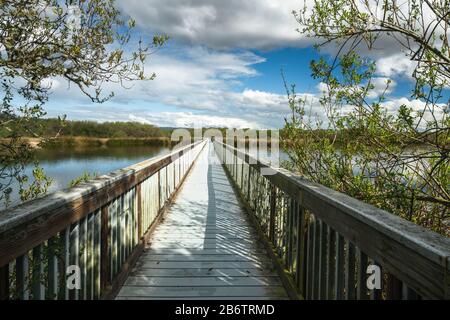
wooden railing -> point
(100, 226)
(325, 240)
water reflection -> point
(65, 164)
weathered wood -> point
(349, 271)
(204, 298)
(394, 288)
(310, 259)
(203, 258)
(4, 282)
(204, 272)
(124, 269)
(323, 266)
(362, 275)
(22, 278)
(196, 248)
(273, 208)
(52, 276)
(65, 262)
(415, 256)
(139, 211)
(233, 291)
(32, 223)
(38, 289)
(105, 262)
(301, 251)
(217, 281)
(331, 264)
(339, 270)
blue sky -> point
(221, 67)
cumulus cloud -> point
(381, 85)
(395, 65)
(204, 81)
(189, 120)
(220, 24)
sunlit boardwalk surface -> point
(205, 248)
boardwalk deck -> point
(205, 248)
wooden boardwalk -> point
(205, 248)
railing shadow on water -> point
(80, 243)
(332, 246)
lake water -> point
(66, 164)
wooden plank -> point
(339, 270)
(204, 298)
(134, 291)
(202, 264)
(203, 272)
(362, 275)
(4, 282)
(65, 262)
(83, 257)
(310, 259)
(74, 256)
(323, 266)
(90, 278)
(52, 276)
(203, 237)
(331, 264)
(408, 293)
(316, 259)
(97, 254)
(394, 288)
(105, 262)
(273, 206)
(204, 257)
(196, 242)
(38, 289)
(139, 211)
(250, 252)
(207, 244)
(244, 281)
(22, 277)
(349, 271)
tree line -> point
(71, 128)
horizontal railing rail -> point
(325, 240)
(81, 242)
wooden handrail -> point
(128, 200)
(413, 258)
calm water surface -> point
(66, 164)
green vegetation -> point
(85, 177)
(91, 129)
(86, 43)
(398, 160)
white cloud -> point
(395, 65)
(203, 81)
(218, 23)
(188, 119)
(381, 85)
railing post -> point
(273, 204)
(139, 211)
(249, 182)
(301, 250)
(105, 261)
(4, 282)
(159, 191)
(394, 288)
